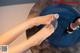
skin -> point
(36, 39)
(77, 23)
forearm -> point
(12, 34)
(20, 48)
(9, 36)
(33, 41)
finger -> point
(47, 19)
(45, 32)
(78, 21)
(42, 34)
(49, 27)
(51, 17)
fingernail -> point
(56, 16)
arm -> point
(33, 41)
(12, 34)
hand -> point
(77, 22)
(41, 35)
(34, 40)
(43, 19)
